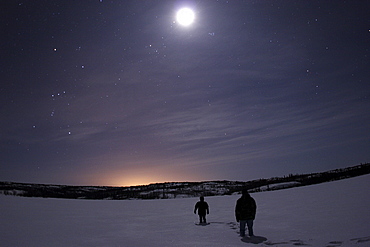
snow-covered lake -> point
(328, 214)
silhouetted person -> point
(245, 213)
(203, 209)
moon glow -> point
(185, 16)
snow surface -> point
(328, 214)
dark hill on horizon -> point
(178, 189)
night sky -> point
(119, 93)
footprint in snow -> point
(334, 244)
(233, 225)
(361, 240)
(296, 242)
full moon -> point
(185, 16)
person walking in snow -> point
(203, 209)
(245, 213)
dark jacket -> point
(245, 208)
(202, 207)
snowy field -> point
(328, 214)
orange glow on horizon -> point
(128, 181)
(136, 181)
(125, 173)
(136, 178)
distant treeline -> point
(179, 189)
